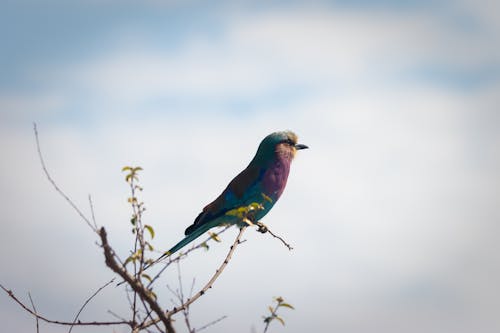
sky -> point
(392, 212)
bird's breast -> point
(275, 177)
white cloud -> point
(392, 211)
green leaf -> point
(152, 293)
(147, 277)
(136, 169)
(150, 247)
(205, 245)
(125, 168)
(286, 305)
(280, 320)
(129, 259)
(214, 236)
(151, 230)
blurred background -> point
(393, 213)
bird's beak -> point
(299, 146)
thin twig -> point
(148, 315)
(210, 324)
(34, 309)
(180, 256)
(209, 284)
(92, 212)
(263, 229)
(180, 296)
(58, 190)
(116, 315)
(87, 302)
(34, 313)
(218, 272)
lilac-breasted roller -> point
(262, 182)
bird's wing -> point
(233, 196)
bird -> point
(260, 184)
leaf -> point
(133, 220)
(286, 305)
(152, 293)
(214, 236)
(205, 245)
(280, 320)
(270, 309)
(129, 259)
(147, 277)
(279, 299)
(128, 177)
(133, 257)
(134, 170)
(125, 168)
(150, 247)
(151, 230)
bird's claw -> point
(262, 227)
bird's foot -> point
(262, 227)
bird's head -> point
(285, 142)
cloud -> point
(392, 212)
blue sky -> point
(393, 212)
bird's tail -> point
(186, 240)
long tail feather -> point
(186, 240)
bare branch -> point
(218, 272)
(116, 315)
(180, 296)
(87, 302)
(92, 212)
(210, 324)
(58, 190)
(34, 309)
(208, 285)
(134, 283)
(79, 323)
(180, 256)
(263, 229)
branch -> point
(58, 190)
(87, 302)
(218, 272)
(134, 283)
(211, 323)
(209, 284)
(79, 323)
(180, 256)
(34, 309)
(263, 229)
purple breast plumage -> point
(275, 177)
